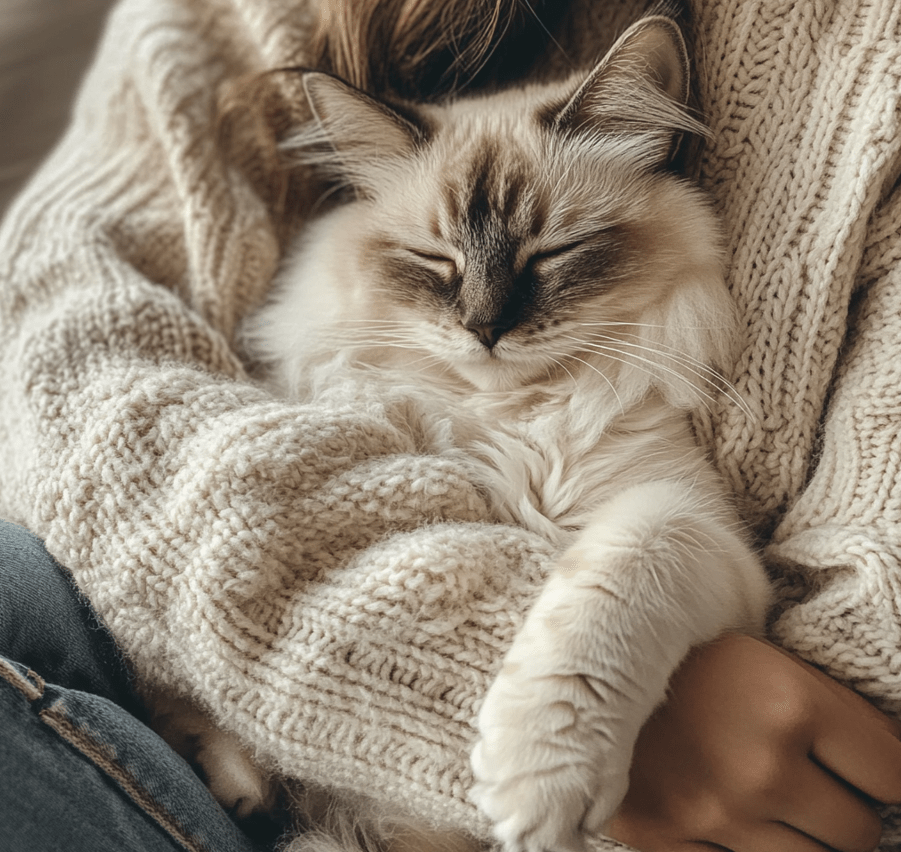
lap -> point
(47, 625)
(81, 769)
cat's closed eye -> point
(445, 266)
(553, 253)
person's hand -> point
(755, 751)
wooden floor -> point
(45, 47)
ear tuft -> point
(363, 137)
(656, 46)
(641, 86)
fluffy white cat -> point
(529, 267)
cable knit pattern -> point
(327, 580)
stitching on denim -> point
(32, 691)
(104, 757)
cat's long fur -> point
(551, 296)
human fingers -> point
(860, 751)
(817, 813)
(824, 808)
(766, 837)
(852, 738)
(718, 836)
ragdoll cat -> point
(527, 265)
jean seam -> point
(100, 754)
(31, 686)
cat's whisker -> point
(371, 334)
(703, 371)
(698, 367)
(399, 331)
(694, 366)
(429, 359)
(601, 374)
(410, 332)
(636, 324)
(377, 325)
(385, 332)
(387, 344)
(374, 340)
(376, 320)
(661, 349)
(624, 358)
(563, 367)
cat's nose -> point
(488, 333)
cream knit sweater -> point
(323, 579)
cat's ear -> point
(365, 135)
(640, 86)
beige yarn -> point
(326, 580)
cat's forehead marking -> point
(480, 184)
(501, 182)
(497, 201)
(486, 225)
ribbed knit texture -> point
(326, 580)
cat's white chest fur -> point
(550, 457)
(651, 563)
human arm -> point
(756, 750)
(311, 575)
(814, 461)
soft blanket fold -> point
(327, 580)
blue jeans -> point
(79, 769)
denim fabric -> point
(80, 770)
(47, 625)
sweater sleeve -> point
(326, 580)
(838, 550)
(123, 267)
(805, 105)
(842, 537)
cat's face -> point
(510, 243)
(524, 233)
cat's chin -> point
(497, 375)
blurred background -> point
(45, 48)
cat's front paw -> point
(549, 766)
(233, 779)
(231, 776)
